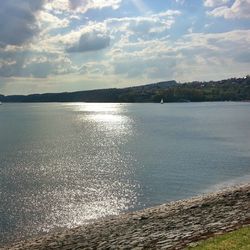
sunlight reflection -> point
(69, 212)
(96, 180)
(105, 114)
(108, 118)
(98, 107)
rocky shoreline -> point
(168, 226)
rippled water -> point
(62, 165)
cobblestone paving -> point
(169, 226)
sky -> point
(69, 45)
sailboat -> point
(161, 100)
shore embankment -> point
(168, 226)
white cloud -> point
(138, 48)
(94, 68)
(45, 56)
(91, 36)
(142, 27)
(84, 5)
(18, 21)
(90, 41)
(194, 56)
(214, 3)
(38, 65)
(81, 6)
(202, 54)
(98, 35)
(49, 21)
(240, 9)
(58, 5)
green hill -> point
(234, 89)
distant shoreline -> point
(168, 226)
(233, 89)
(65, 102)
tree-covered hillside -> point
(234, 89)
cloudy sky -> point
(67, 45)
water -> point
(63, 165)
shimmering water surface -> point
(62, 165)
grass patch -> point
(237, 240)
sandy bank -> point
(169, 226)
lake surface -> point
(62, 165)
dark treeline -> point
(234, 89)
